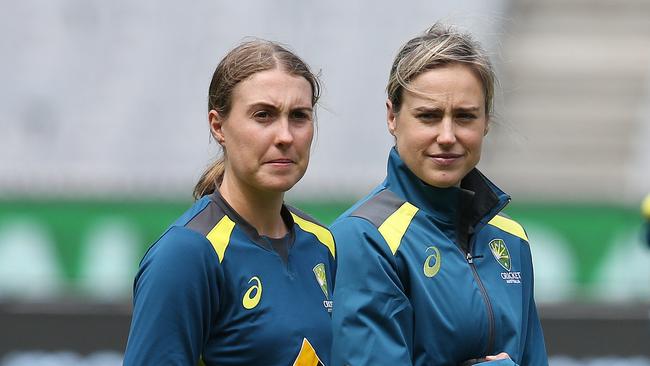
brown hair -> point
(438, 46)
(238, 65)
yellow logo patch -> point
(307, 355)
(253, 294)
(321, 278)
(429, 269)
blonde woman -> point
(430, 272)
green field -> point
(587, 231)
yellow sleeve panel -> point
(395, 226)
(219, 236)
(509, 226)
(323, 235)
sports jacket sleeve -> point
(372, 317)
(175, 297)
(534, 350)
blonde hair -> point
(239, 64)
(439, 46)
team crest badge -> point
(501, 253)
(321, 278)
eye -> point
(300, 115)
(428, 116)
(466, 116)
(262, 115)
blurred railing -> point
(571, 329)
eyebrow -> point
(436, 109)
(427, 109)
(274, 107)
(304, 109)
(468, 109)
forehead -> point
(455, 82)
(273, 86)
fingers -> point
(500, 356)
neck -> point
(261, 209)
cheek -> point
(477, 142)
(305, 137)
(238, 145)
(474, 147)
(414, 138)
(472, 137)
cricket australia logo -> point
(321, 278)
(502, 255)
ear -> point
(216, 126)
(391, 117)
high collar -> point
(476, 201)
(245, 226)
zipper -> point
(470, 261)
(469, 258)
(488, 304)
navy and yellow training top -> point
(212, 290)
(433, 276)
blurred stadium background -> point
(104, 133)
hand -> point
(500, 356)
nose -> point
(446, 133)
(283, 133)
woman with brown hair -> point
(241, 278)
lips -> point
(446, 159)
(446, 156)
(281, 161)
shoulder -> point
(381, 215)
(310, 225)
(178, 249)
(201, 233)
(178, 263)
(212, 223)
(506, 224)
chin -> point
(279, 186)
(442, 182)
(278, 182)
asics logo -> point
(253, 294)
(429, 269)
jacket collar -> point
(247, 228)
(476, 201)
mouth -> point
(445, 159)
(280, 162)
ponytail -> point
(210, 180)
